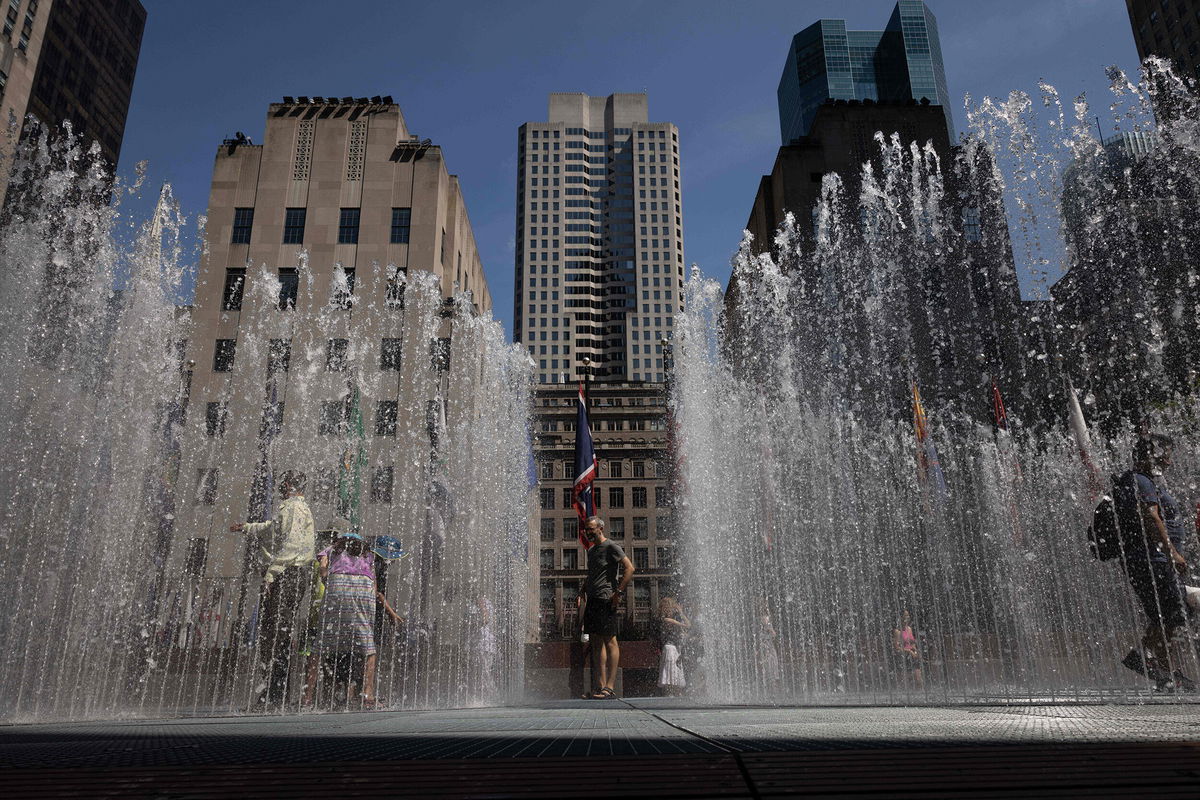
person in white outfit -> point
(670, 630)
(289, 543)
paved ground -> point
(637, 747)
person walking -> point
(671, 628)
(904, 648)
(603, 597)
(289, 545)
(347, 626)
(1152, 534)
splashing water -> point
(108, 613)
(817, 517)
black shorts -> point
(599, 618)
(1158, 590)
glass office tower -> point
(826, 61)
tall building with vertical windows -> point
(599, 239)
(826, 61)
(1169, 29)
(300, 308)
(71, 60)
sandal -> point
(605, 694)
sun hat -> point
(388, 547)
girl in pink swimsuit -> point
(904, 643)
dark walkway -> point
(639, 748)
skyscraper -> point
(1170, 30)
(828, 62)
(71, 61)
(599, 239)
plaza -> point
(631, 748)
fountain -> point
(123, 601)
(818, 514)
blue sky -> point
(467, 74)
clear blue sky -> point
(467, 74)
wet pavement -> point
(622, 748)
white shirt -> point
(292, 532)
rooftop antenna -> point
(1099, 130)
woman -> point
(348, 610)
(670, 630)
(904, 646)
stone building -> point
(335, 249)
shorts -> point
(1158, 590)
(599, 617)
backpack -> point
(1104, 534)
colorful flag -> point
(583, 499)
(998, 410)
(929, 468)
(354, 463)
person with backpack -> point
(1151, 530)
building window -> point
(439, 355)
(235, 285)
(335, 415)
(390, 354)
(570, 529)
(567, 499)
(243, 221)
(215, 417)
(547, 533)
(616, 528)
(223, 355)
(546, 561)
(342, 295)
(614, 469)
(641, 558)
(206, 486)
(641, 596)
(324, 485)
(401, 223)
(547, 470)
(382, 481)
(660, 496)
(972, 229)
(547, 498)
(616, 497)
(289, 286)
(639, 469)
(442, 259)
(663, 556)
(336, 355)
(639, 497)
(570, 559)
(641, 527)
(293, 225)
(395, 289)
(272, 421)
(279, 356)
(348, 226)
(385, 418)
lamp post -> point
(587, 375)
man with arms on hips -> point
(603, 595)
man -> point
(603, 596)
(289, 543)
(1152, 534)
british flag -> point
(583, 499)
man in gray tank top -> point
(603, 595)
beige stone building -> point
(318, 282)
(599, 239)
(64, 60)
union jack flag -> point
(583, 499)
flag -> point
(262, 500)
(354, 463)
(582, 498)
(929, 468)
(1082, 440)
(998, 410)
